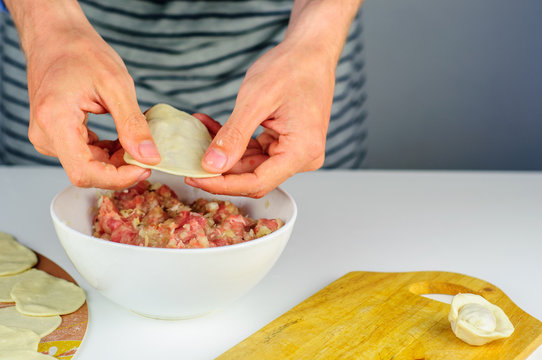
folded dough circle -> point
(476, 321)
(18, 339)
(14, 257)
(181, 139)
(41, 325)
(41, 294)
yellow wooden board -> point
(370, 315)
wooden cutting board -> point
(370, 315)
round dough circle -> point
(24, 355)
(14, 257)
(41, 325)
(18, 339)
(41, 294)
(7, 283)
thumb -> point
(136, 139)
(229, 145)
(133, 130)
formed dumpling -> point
(14, 257)
(476, 321)
(181, 139)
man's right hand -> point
(72, 71)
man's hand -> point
(292, 103)
(71, 72)
(288, 91)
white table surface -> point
(484, 224)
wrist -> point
(321, 26)
(40, 22)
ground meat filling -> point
(152, 215)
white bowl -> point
(171, 283)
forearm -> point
(38, 21)
(322, 25)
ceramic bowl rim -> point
(270, 237)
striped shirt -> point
(192, 55)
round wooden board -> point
(64, 342)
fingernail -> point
(215, 159)
(148, 150)
(190, 181)
(144, 175)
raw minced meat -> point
(152, 215)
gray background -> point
(454, 84)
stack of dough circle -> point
(39, 298)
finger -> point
(117, 159)
(251, 151)
(85, 171)
(132, 127)
(110, 145)
(40, 140)
(266, 138)
(265, 178)
(232, 139)
(99, 154)
(212, 125)
(248, 163)
(92, 137)
(253, 144)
